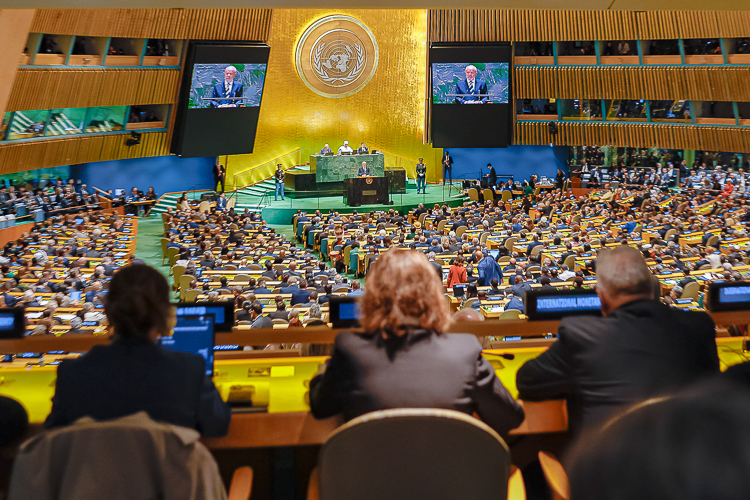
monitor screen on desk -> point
(556, 304)
(193, 334)
(728, 296)
(12, 323)
(223, 312)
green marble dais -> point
(338, 168)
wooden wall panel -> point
(202, 24)
(481, 25)
(50, 88)
(30, 155)
(734, 139)
(704, 83)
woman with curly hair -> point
(403, 359)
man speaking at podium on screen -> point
(364, 170)
(472, 90)
(228, 88)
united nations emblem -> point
(368, 180)
(336, 56)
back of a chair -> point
(488, 195)
(414, 453)
(691, 291)
(473, 194)
(121, 459)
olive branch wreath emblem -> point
(344, 79)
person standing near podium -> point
(364, 170)
(421, 175)
(279, 176)
(492, 176)
(447, 167)
(345, 149)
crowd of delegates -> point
(61, 263)
(56, 197)
(641, 352)
(240, 242)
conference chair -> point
(712, 240)
(469, 302)
(504, 261)
(555, 475)
(279, 321)
(510, 242)
(691, 291)
(255, 267)
(483, 238)
(421, 453)
(510, 314)
(126, 456)
(460, 230)
(231, 204)
(506, 196)
(535, 268)
(241, 278)
(537, 191)
(172, 255)
(441, 226)
(184, 281)
(473, 194)
(570, 261)
(164, 243)
(488, 195)
(536, 250)
(670, 233)
(204, 207)
(192, 295)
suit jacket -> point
(601, 365)
(219, 91)
(478, 94)
(363, 171)
(489, 269)
(417, 370)
(300, 296)
(221, 204)
(132, 375)
(262, 322)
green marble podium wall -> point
(337, 168)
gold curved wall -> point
(51, 88)
(387, 114)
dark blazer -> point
(300, 297)
(219, 91)
(478, 94)
(600, 365)
(363, 171)
(262, 322)
(132, 375)
(418, 370)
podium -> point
(365, 191)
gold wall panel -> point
(203, 24)
(387, 114)
(50, 88)
(646, 135)
(484, 25)
(16, 157)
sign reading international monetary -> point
(336, 56)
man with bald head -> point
(639, 348)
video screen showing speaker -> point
(220, 98)
(471, 88)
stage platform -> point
(281, 212)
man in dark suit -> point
(364, 170)
(640, 349)
(302, 294)
(447, 167)
(471, 90)
(259, 321)
(520, 287)
(229, 89)
(492, 176)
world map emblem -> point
(336, 56)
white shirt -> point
(228, 85)
(566, 275)
(345, 149)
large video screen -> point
(226, 85)
(220, 98)
(471, 95)
(470, 83)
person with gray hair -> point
(638, 350)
